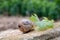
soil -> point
(10, 25)
(9, 22)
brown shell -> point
(25, 26)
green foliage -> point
(42, 25)
(36, 6)
(43, 8)
(9, 6)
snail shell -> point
(25, 25)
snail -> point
(25, 25)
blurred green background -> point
(43, 8)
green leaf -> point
(44, 24)
(34, 18)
